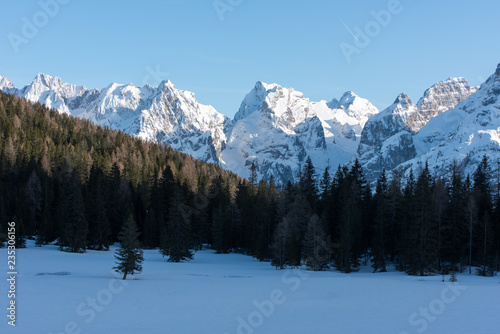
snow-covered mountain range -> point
(277, 128)
(387, 140)
(463, 134)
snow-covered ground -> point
(78, 293)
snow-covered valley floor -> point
(59, 292)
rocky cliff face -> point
(277, 128)
(387, 140)
(164, 113)
(463, 134)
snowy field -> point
(78, 293)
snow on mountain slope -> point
(6, 85)
(164, 114)
(277, 128)
(463, 134)
(357, 109)
(387, 140)
(439, 98)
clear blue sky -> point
(293, 43)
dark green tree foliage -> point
(454, 231)
(33, 203)
(175, 241)
(441, 201)
(222, 217)
(316, 250)
(351, 190)
(380, 233)
(422, 228)
(119, 199)
(307, 183)
(129, 256)
(67, 180)
(324, 192)
(266, 209)
(97, 218)
(72, 215)
(484, 241)
(281, 245)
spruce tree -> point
(422, 242)
(316, 250)
(307, 183)
(281, 245)
(75, 227)
(379, 255)
(97, 217)
(175, 239)
(221, 217)
(129, 256)
(454, 241)
(34, 203)
(485, 233)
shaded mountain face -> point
(387, 140)
(277, 128)
(463, 134)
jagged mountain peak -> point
(53, 83)
(347, 98)
(442, 96)
(269, 98)
(167, 85)
(262, 86)
(357, 107)
(403, 99)
(463, 134)
(5, 83)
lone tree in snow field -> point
(130, 255)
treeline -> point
(68, 181)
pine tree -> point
(175, 239)
(324, 192)
(73, 217)
(97, 217)
(281, 245)
(308, 183)
(119, 201)
(34, 203)
(454, 241)
(253, 175)
(129, 256)
(422, 242)
(471, 214)
(222, 218)
(379, 257)
(407, 216)
(316, 250)
(485, 233)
